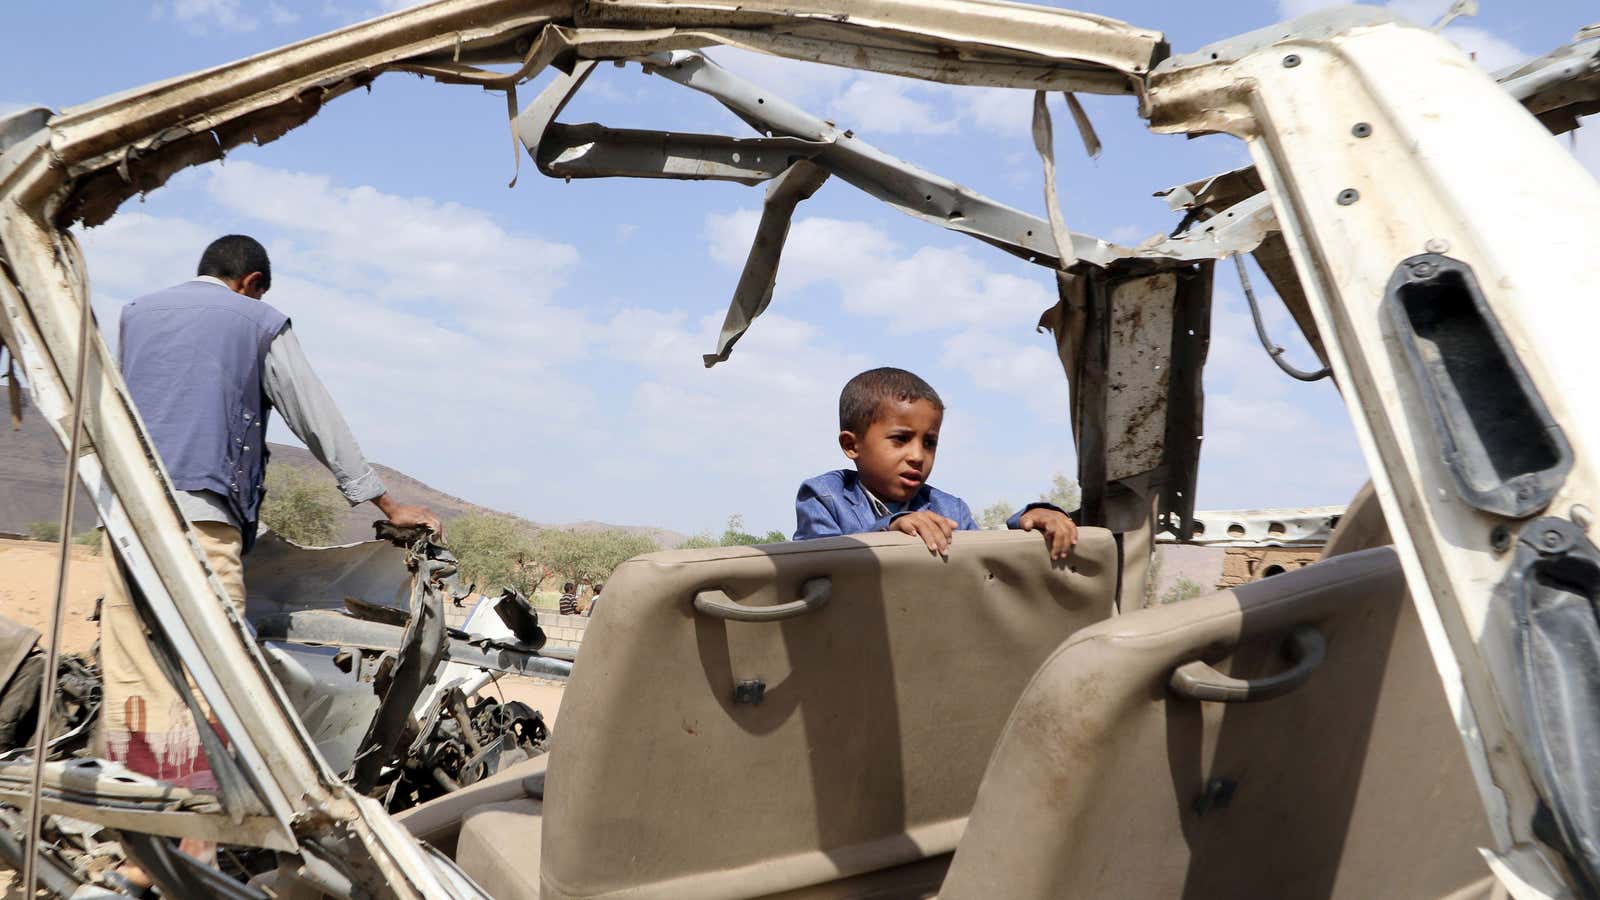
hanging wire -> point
(1273, 350)
(47, 690)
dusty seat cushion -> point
(499, 848)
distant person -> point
(594, 598)
(206, 362)
(889, 423)
(569, 599)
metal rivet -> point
(1551, 539)
(1291, 60)
(1500, 539)
(1361, 130)
(1581, 516)
(1437, 245)
(1348, 196)
(1424, 270)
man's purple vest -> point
(192, 356)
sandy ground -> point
(28, 583)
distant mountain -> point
(32, 463)
(356, 524)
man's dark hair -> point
(568, 588)
(864, 395)
(233, 256)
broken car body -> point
(1444, 304)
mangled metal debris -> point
(1366, 193)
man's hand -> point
(1059, 531)
(934, 529)
(405, 516)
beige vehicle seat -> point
(698, 756)
(1353, 784)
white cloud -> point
(1031, 370)
(404, 250)
(435, 326)
(876, 104)
(201, 16)
(1128, 235)
(883, 104)
(913, 289)
(280, 15)
(1003, 111)
(1491, 51)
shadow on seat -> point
(1354, 784)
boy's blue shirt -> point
(835, 503)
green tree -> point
(1064, 492)
(44, 531)
(300, 508)
(588, 556)
(733, 535)
(1152, 575)
(90, 539)
(495, 552)
(995, 515)
(1182, 589)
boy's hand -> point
(1059, 531)
(934, 529)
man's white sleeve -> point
(309, 411)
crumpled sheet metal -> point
(132, 142)
(793, 136)
(285, 577)
(1029, 44)
(16, 642)
(1561, 85)
(754, 293)
(1302, 526)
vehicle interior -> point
(986, 723)
(854, 717)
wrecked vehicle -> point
(1414, 715)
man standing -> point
(206, 362)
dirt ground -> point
(28, 583)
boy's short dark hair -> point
(568, 588)
(864, 395)
(233, 256)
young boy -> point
(889, 426)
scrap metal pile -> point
(395, 699)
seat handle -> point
(1305, 649)
(813, 594)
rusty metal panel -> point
(1139, 350)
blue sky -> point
(537, 349)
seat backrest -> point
(876, 715)
(1353, 785)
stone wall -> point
(1242, 565)
(563, 631)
